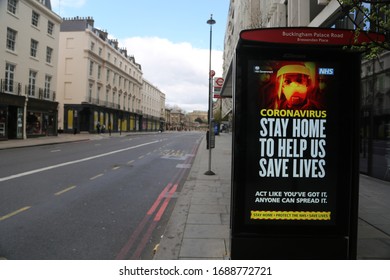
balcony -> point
(10, 87)
(103, 103)
(44, 94)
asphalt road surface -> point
(96, 200)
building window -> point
(12, 5)
(91, 68)
(35, 18)
(381, 78)
(100, 51)
(90, 93)
(49, 54)
(50, 28)
(11, 39)
(92, 46)
(46, 94)
(31, 83)
(108, 75)
(33, 48)
(98, 95)
(99, 72)
(9, 77)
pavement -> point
(61, 138)
(199, 225)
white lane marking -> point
(72, 162)
(183, 165)
(95, 177)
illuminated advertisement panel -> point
(295, 146)
(296, 165)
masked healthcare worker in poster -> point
(294, 87)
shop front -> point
(11, 116)
(86, 117)
(41, 118)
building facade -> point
(153, 107)
(375, 117)
(178, 119)
(197, 120)
(99, 84)
(250, 14)
(28, 69)
(375, 83)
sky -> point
(170, 39)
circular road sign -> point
(219, 82)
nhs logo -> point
(326, 71)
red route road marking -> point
(132, 239)
(152, 226)
(165, 204)
(127, 247)
(144, 240)
(158, 200)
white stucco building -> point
(29, 40)
(98, 82)
(153, 106)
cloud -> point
(177, 69)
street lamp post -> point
(211, 21)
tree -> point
(369, 16)
(199, 120)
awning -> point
(227, 88)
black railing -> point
(45, 94)
(10, 86)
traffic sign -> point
(219, 82)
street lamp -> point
(211, 21)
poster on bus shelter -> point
(293, 132)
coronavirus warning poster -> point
(296, 164)
(295, 144)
